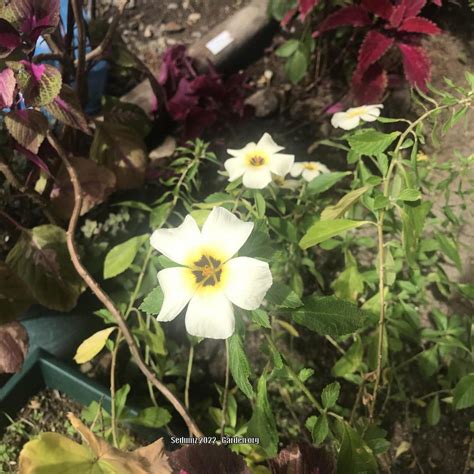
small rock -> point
(194, 18)
(172, 6)
(196, 34)
(171, 41)
(148, 32)
(265, 102)
(165, 150)
(172, 27)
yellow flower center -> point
(310, 166)
(257, 158)
(356, 112)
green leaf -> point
(371, 142)
(89, 348)
(239, 365)
(409, 194)
(160, 214)
(28, 127)
(433, 413)
(324, 230)
(350, 283)
(153, 301)
(258, 245)
(262, 423)
(274, 354)
(320, 429)
(260, 204)
(260, 317)
(325, 181)
(153, 417)
(284, 228)
(121, 396)
(350, 361)
(339, 209)
(354, 457)
(287, 48)
(449, 248)
(463, 396)
(42, 259)
(15, 297)
(330, 394)
(305, 374)
(120, 257)
(283, 296)
(413, 221)
(330, 316)
(296, 66)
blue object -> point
(97, 77)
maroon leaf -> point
(305, 7)
(369, 87)
(397, 16)
(207, 458)
(28, 127)
(375, 45)
(34, 158)
(13, 347)
(437, 2)
(381, 8)
(413, 7)
(302, 458)
(417, 65)
(97, 183)
(288, 17)
(9, 38)
(419, 25)
(352, 15)
(14, 295)
(7, 88)
(67, 109)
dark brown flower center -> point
(207, 271)
(257, 161)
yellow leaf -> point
(92, 345)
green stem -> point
(188, 376)
(305, 391)
(226, 389)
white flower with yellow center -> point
(209, 278)
(309, 169)
(257, 161)
(351, 117)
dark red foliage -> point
(305, 7)
(391, 23)
(198, 101)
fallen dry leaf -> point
(13, 347)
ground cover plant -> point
(310, 289)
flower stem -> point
(226, 389)
(188, 376)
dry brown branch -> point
(104, 298)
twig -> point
(99, 51)
(13, 180)
(226, 389)
(113, 364)
(81, 49)
(105, 299)
(13, 221)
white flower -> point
(209, 279)
(257, 161)
(309, 169)
(351, 117)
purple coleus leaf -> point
(417, 65)
(375, 45)
(353, 15)
(34, 158)
(305, 7)
(381, 8)
(9, 38)
(413, 7)
(369, 87)
(419, 25)
(7, 88)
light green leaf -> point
(239, 365)
(371, 142)
(121, 399)
(409, 194)
(284, 228)
(330, 394)
(42, 259)
(120, 257)
(320, 430)
(283, 296)
(153, 301)
(296, 66)
(89, 348)
(350, 361)
(325, 181)
(330, 316)
(287, 48)
(433, 413)
(160, 214)
(260, 317)
(260, 204)
(449, 248)
(324, 230)
(262, 423)
(339, 209)
(464, 393)
(153, 417)
(305, 374)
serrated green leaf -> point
(160, 214)
(260, 317)
(320, 429)
(350, 361)
(463, 396)
(371, 142)
(339, 209)
(330, 394)
(330, 316)
(283, 296)
(239, 365)
(152, 417)
(325, 181)
(153, 301)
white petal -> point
(344, 121)
(242, 151)
(177, 243)
(257, 178)
(309, 175)
(225, 232)
(210, 315)
(296, 169)
(175, 285)
(235, 167)
(248, 280)
(267, 144)
(281, 163)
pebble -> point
(194, 18)
(265, 102)
(172, 6)
(148, 32)
(172, 27)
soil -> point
(46, 411)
